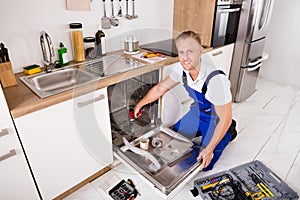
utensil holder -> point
(7, 76)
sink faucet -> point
(48, 62)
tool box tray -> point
(251, 181)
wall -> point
(283, 44)
(22, 22)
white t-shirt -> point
(218, 88)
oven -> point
(226, 21)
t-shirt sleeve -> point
(218, 90)
(175, 72)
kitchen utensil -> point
(113, 20)
(1, 57)
(105, 22)
(4, 53)
(120, 9)
(134, 16)
(127, 15)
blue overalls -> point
(201, 119)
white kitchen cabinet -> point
(16, 181)
(67, 142)
(176, 102)
(222, 57)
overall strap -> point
(184, 79)
(212, 74)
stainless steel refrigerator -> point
(248, 55)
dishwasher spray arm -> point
(155, 166)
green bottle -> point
(62, 55)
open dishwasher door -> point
(170, 160)
(176, 157)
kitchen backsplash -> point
(24, 20)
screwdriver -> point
(261, 186)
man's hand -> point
(206, 156)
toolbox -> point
(251, 181)
(124, 190)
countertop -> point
(21, 100)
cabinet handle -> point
(4, 132)
(85, 103)
(217, 53)
(8, 155)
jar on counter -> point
(77, 41)
(89, 47)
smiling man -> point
(210, 115)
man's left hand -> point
(206, 156)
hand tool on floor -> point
(264, 189)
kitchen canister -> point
(89, 47)
(77, 42)
(131, 45)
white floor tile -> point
(294, 174)
(87, 192)
(108, 180)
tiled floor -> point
(269, 131)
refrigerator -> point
(249, 55)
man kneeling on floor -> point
(210, 116)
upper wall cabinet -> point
(195, 15)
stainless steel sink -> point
(60, 80)
(47, 84)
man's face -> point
(189, 52)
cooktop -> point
(166, 47)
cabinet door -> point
(222, 57)
(16, 181)
(68, 142)
(195, 15)
(176, 102)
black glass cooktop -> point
(166, 47)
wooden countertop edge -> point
(22, 101)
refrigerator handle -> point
(264, 57)
(230, 10)
(249, 69)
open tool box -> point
(251, 181)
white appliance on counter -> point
(248, 55)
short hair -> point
(189, 34)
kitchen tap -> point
(48, 62)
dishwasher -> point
(169, 162)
